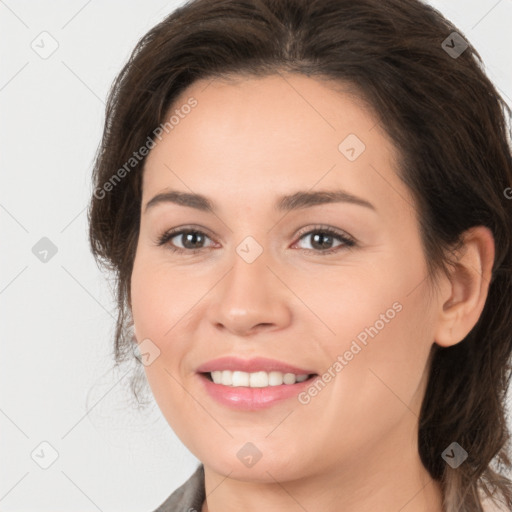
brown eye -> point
(191, 240)
(323, 238)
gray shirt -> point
(187, 498)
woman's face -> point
(266, 281)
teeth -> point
(256, 379)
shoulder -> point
(189, 496)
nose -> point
(250, 298)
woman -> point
(307, 208)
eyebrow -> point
(298, 200)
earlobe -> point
(466, 293)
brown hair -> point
(449, 125)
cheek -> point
(161, 304)
(153, 318)
(158, 309)
(155, 299)
(381, 325)
(382, 347)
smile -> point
(248, 398)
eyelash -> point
(347, 241)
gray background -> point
(58, 316)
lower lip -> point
(250, 399)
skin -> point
(353, 447)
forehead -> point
(252, 136)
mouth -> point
(254, 391)
(252, 384)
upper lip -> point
(256, 364)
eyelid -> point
(322, 227)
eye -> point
(323, 237)
(192, 240)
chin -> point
(265, 470)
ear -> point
(463, 299)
